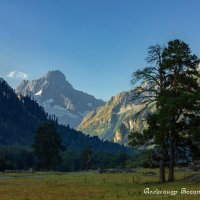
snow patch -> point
(39, 93)
(60, 112)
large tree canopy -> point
(176, 91)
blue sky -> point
(97, 44)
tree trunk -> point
(162, 166)
(171, 161)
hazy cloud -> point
(17, 75)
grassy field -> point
(89, 185)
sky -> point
(97, 44)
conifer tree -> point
(177, 94)
(154, 76)
(181, 97)
(47, 146)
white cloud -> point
(18, 75)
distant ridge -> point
(117, 118)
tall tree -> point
(47, 146)
(154, 76)
(183, 95)
(177, 95)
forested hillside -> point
(20, 117)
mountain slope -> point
(58, 97)
(116, 118)
(20, 116)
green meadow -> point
(90, 185)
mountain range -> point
(110, 121)
(58, 97)
(20, 116)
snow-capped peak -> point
(58, 97)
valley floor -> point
(92, 186)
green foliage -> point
(175, 89)
(3, 164)
(16, 157)
(19, 117)
(24, 158)
(47, 147)
(103, 160)
(121, 160)
(71, 161)
(86, 157)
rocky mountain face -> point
(117, 118)
(59, 98)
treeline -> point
(76, 140)
(24, 158)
